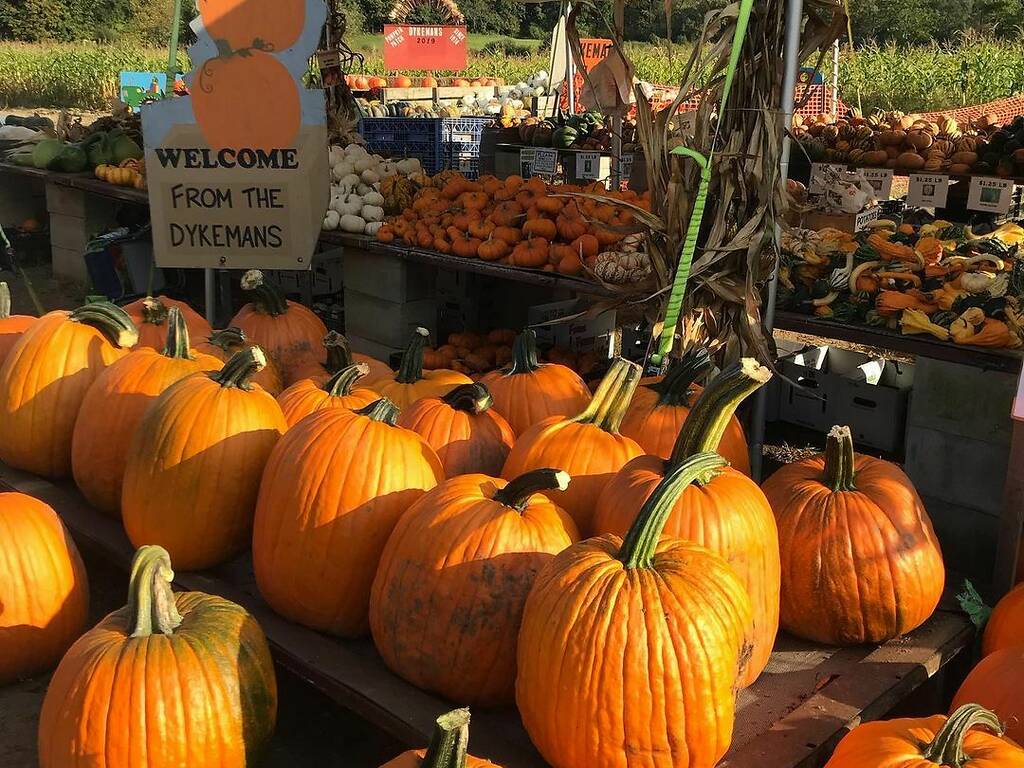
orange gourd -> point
(587, 246)
(493, 249)
(225, 344)
(11, 326)
(447, 747)
(533, 252)
(1005, 627)
(411, 382)
(510, 235)
(150, 317)
(307, 396)
(274, 24)
(996, 684)
(507, 214)
(570, 227)
(541, 228)
(466, 247)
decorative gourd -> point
(44, 380)
(150, 317)
(169, 680)
(306, 396)
(930, 742)
(447, 749)
(44, 593)
(587, 446)
(115, 404)
(194, 466)
(668, 621)
(1005, 627)
(339, 356)
(455, 575)
(996, 684)
(860, 561)
(332, 492)
(462, 428)
(227, 343)
(11, 326)
(289, 333)
(528, 392)
(411, 382)
(727, 512)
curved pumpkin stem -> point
(268, 298)
(382, 410)
(339, 354)
(707, 421)
(642, 538)
(341, 383)
(524, 353)
(411, 369)
(178, 342)
(229, 339)
(518, 492)
(110, 320)
(154, 311)
(450, 742)
(674, 389)
(5, 301)
(239, 370)
(613, 396)
(151, 605)
(839, 460)
(947, 748)
(471, 398)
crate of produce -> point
(401, 137)
(461, 138)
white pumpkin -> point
(352, 223)
(373, 198)
(349, 182)
(349, 204)
(409, 165)
(372, 213)
(365, 163)
(373, 226)
(331, 220)
(369, 176)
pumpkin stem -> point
(450, 742)
(110, 320)
(177, 336)
(613, 395)
(524, 353)
(268, 298)
(5, 301)
(642, 538)
(341, 383)
(471, 398)
(948, 746)
(706, 423)
(339, 355)
(674, 388)
(230, 339)
(154, 311)
(839, 460)
(239, 370)
(151, 605)
(518, 492)
(382, 410)
(411, 369)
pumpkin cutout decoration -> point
(528, 392)
(1005, 626)
(411, 382)
(272, 25)
(626, 597)
(151, 315)
(45, 378)
(11, 326)
(996, 684)
(455, 575)
(727, 513)
(44, 593)
(860, 561)
(339, 356)
(227, 343)
(185, 679)
(305, 396)
(115, 404)
(331, 494)
(448, 747)
(194, 466)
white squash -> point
(365, 163)
(369, 176)
(373, 198)
(350, 182)
(331, 221)
(364, 189)
(409, 165)
(372, 213)
(352, 223)
(373, 226)
(349, 204)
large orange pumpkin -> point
(588, 446)
(11, 326)
(306, 396)
(291, 334)
(272, 25)
(150, 317)
(860, 561)
(45, 378)
(528, 392)
(455, 575)
(996, 684)
(728, 513)
(1005, 627)
(169, 680)
(115, 404)
(448, 747)
(930, 742)
(194, 466)
(44, 593)
(331, 495)
(227, 343)
(411, 382)
(642, 638)
(339, 356)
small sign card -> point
(928, 190)
(864, 218)
(527, 157)
(880, 180)
(817, 185)
(625, 167)
(588, 165)
(990, 194)
(545, 161)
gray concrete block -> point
(386, 322)
(388, 277)
(373, 349)
(967, 536)
(69, 264)
(69, 232)
(962, 400)
(957, 470)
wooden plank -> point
(84, 181)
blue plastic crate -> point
(401, 137)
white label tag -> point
(625, 167)
(990, 194)
(927, 190)
(545, 161)
(861, 220)
(527, 157)
(880, 180)
(817, 182)
(588, 165)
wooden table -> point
(792, 717)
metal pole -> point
(210, 280)
(172, 56)
(835, 80)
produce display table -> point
(792, 717)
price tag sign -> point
(625, 167)
(862, 219)
(819, 177)
(527, 157)
(588, 165)
(545, 161)
(880, 180)
(927, 190)
(990, 194)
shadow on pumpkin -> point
(26, 650)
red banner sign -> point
(419, 46)
(595, 50)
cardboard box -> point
(872, 401)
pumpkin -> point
(306, 396)
(45, 378)
(668, 621)
(660, 408)
(528, 392)
(332, 492)
(996, 684)
(169, 680)
(11, 326)
(289, 333)
(411, 382)
(241, 23)
(150, 317)
(1005, 627)
(115, 404)
(462, 428)
(225, 344)
(339, 355)
(860, 561)
(727, 513)
(194, 465)
(587, 446)
(447, 748)
(930, 742)
(44, 592)
(455, 575)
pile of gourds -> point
(130, 173)
(364, 186)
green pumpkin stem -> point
(674, 389)
(268, 298)
(239, 370)
(411, 369)
(5, 301)
(341, 383)
(339, 354)
(947, 748)
(524, 353)
(382, 410)
(229, 339)
(613, 396)
(518, 492)
(110, 320)
(154, 311)
(450, 742)
(178, 342)
(839, 460)
(642, 538)
(151, 605)
(471, 398)
(708, 419)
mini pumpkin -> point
(11, 326)
(150, 316)
(448, 747)
(411, 382)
